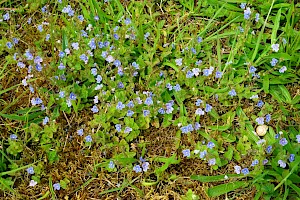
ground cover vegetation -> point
(176, 99)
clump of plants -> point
(104, 73)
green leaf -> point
(52, 157)
(296, 99)
(229, 153)
(225, 188)
(285, 93)
(206, 179)
(276, 27)
(266, 83)
(172, 66)
(294, 187)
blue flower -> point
(120, 105)
(130, 104)
(145, 166)
(99, 78)
(61, 94)
(111, 164)
(146, 35)
(292, 157)
(83, 33)
(211, 161)
(121, 85)
(193, 50)
(260, 120)
(210, 145)
(40, 27)
(252, 69)
(265, 161)
(29, 20)
(137, 168)
(268, 118)
(9, 45)
(116, 36)
(149, 101)
(203, 154)
(75, 45)
(135, 65)
(273, 62)
(92, 44)
(56, 186)
(118, 127)
(61, 66)
(127, 130)
(260, 103)
(169, 86)
(247, 13)
(186, 153)
(282, 69)
(6, 16)
(72, 96)
(218, 74)
(232, 92)
(178, 61)
(283, 141)
(298, 138)
(129, 113)
(80, 132)
(15, 40)
(84, 58)
(269, 149)
(189, 74)
(198, 62)
(45, 120)
(237, 169)
(284, 41)
(169, 108)
(177, 88)
(257, 17)
(281, 163)
(255, 162)
(117, 63)
(199, 111)
(13, 136)
(206, 72)
(190, 127)
(198, 102)
(95, 109)
(146, 113)
(197, 126)
(208, 108)
(245, 171)
(275, 47)
(44, 9)
(184, 129)
(30, 170)
(81, 18)
(241, 29)
(199, 39)
(277, 136)
(243, 5)
(161, 111)
(127, 21)
(88, 138)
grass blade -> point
(225, 188)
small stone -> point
(261, 130)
